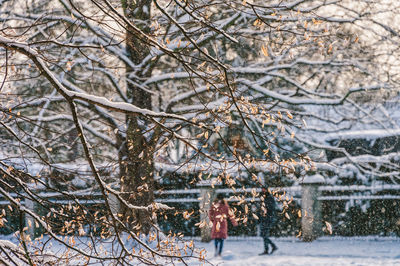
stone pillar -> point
(311, 221)
(207, 195)
(29, 220)
(114, 206)
(114, 203)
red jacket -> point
(219, 214)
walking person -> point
(267, 218)
(219, 214)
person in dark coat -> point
(219, 213)
(267, 219)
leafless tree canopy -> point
(100, 96)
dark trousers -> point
(265, 234)
(267, 242)
(219, 244)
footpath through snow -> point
(327, 251)
(324, 251)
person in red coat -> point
(219, 214)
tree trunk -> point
(137, 150)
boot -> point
(264, 253)
(274, 248)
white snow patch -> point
(324, 251)
(363, 134)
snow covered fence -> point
(294, 191)
(308, 196)
(203, 194)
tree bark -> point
(137, 150)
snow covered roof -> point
(363, 134)
(313, 179)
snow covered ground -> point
(324, 251)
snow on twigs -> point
(96, 100)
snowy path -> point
(325, 251)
